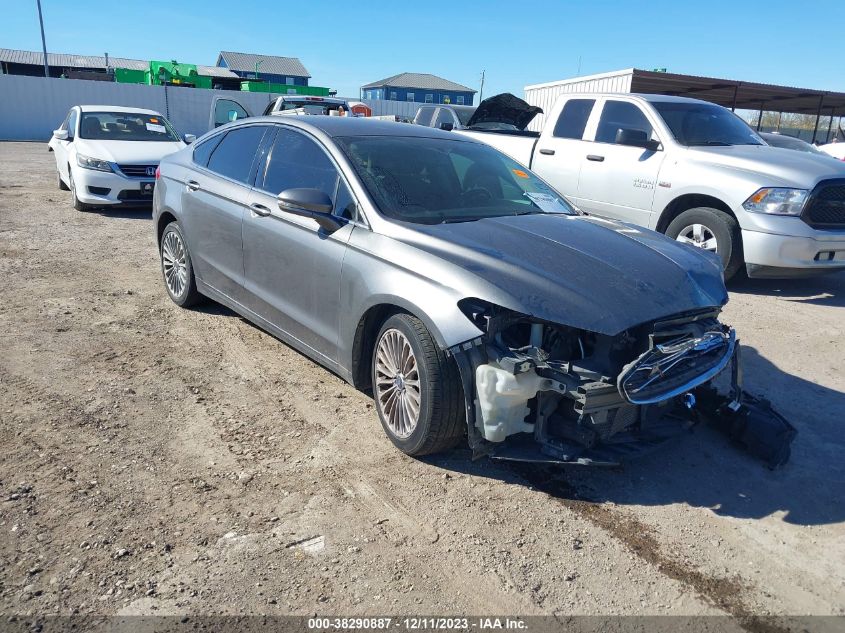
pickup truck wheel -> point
(712, 230)
(416, 387)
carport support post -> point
(818, 116)
(829, 125)
(43, 41)
(760, 118)
(736, 92)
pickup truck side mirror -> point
(636, 138)
(447, 126)
(310, 203)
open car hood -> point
(504, 108)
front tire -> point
(712, 230)
(61, 183)
(79, 206)
(417, 389)
(176, 267)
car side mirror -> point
(189, 138)
(636, 138)
(232, 115)
(447, 126)
(310, 203)
(61, 135)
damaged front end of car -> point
(545, 392)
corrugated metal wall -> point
(406, 109)
(32, 107)
(545, 95)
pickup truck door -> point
(225, 110)
(560, 149)
(618, 181)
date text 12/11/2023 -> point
(416, 623)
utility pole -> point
(481, 92)
(43, 41)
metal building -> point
(731, 93)
(418, 88)
(270, 68)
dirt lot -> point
(164, 461)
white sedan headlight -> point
(93, 163)
(777, 201)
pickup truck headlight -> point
(93, 163)
(777, 201)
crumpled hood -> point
(132, 152)
(504, 108)
(796, 169)
(585, 272)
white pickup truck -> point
(687, 168)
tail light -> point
(158, 173)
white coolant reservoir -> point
(502, 403)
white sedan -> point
(837, 150)
(108, 155)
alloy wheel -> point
(174, 263)
(700, 236)
(397, 387)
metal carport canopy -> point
(743, 95)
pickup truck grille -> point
(826, 206)
(138, 171)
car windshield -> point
(705, 124)
(433, 180)
(126, 126)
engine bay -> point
(585, 397)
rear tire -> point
(176, 267)
(713, 230)
(62, 185)
(79, 206)
(420, 377)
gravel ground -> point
(164, 461)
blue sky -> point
(346, 44)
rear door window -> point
(71, 124)
(234, 155)
(573, 118)
(297, 162)
(203, 150)
(424, 116)
(620, 115)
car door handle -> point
(547, 152)
(594, 157)
(259, 209)
(192, 185)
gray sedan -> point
(474, 301)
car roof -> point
(652, 98)
(359, 126)
(111, 108)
